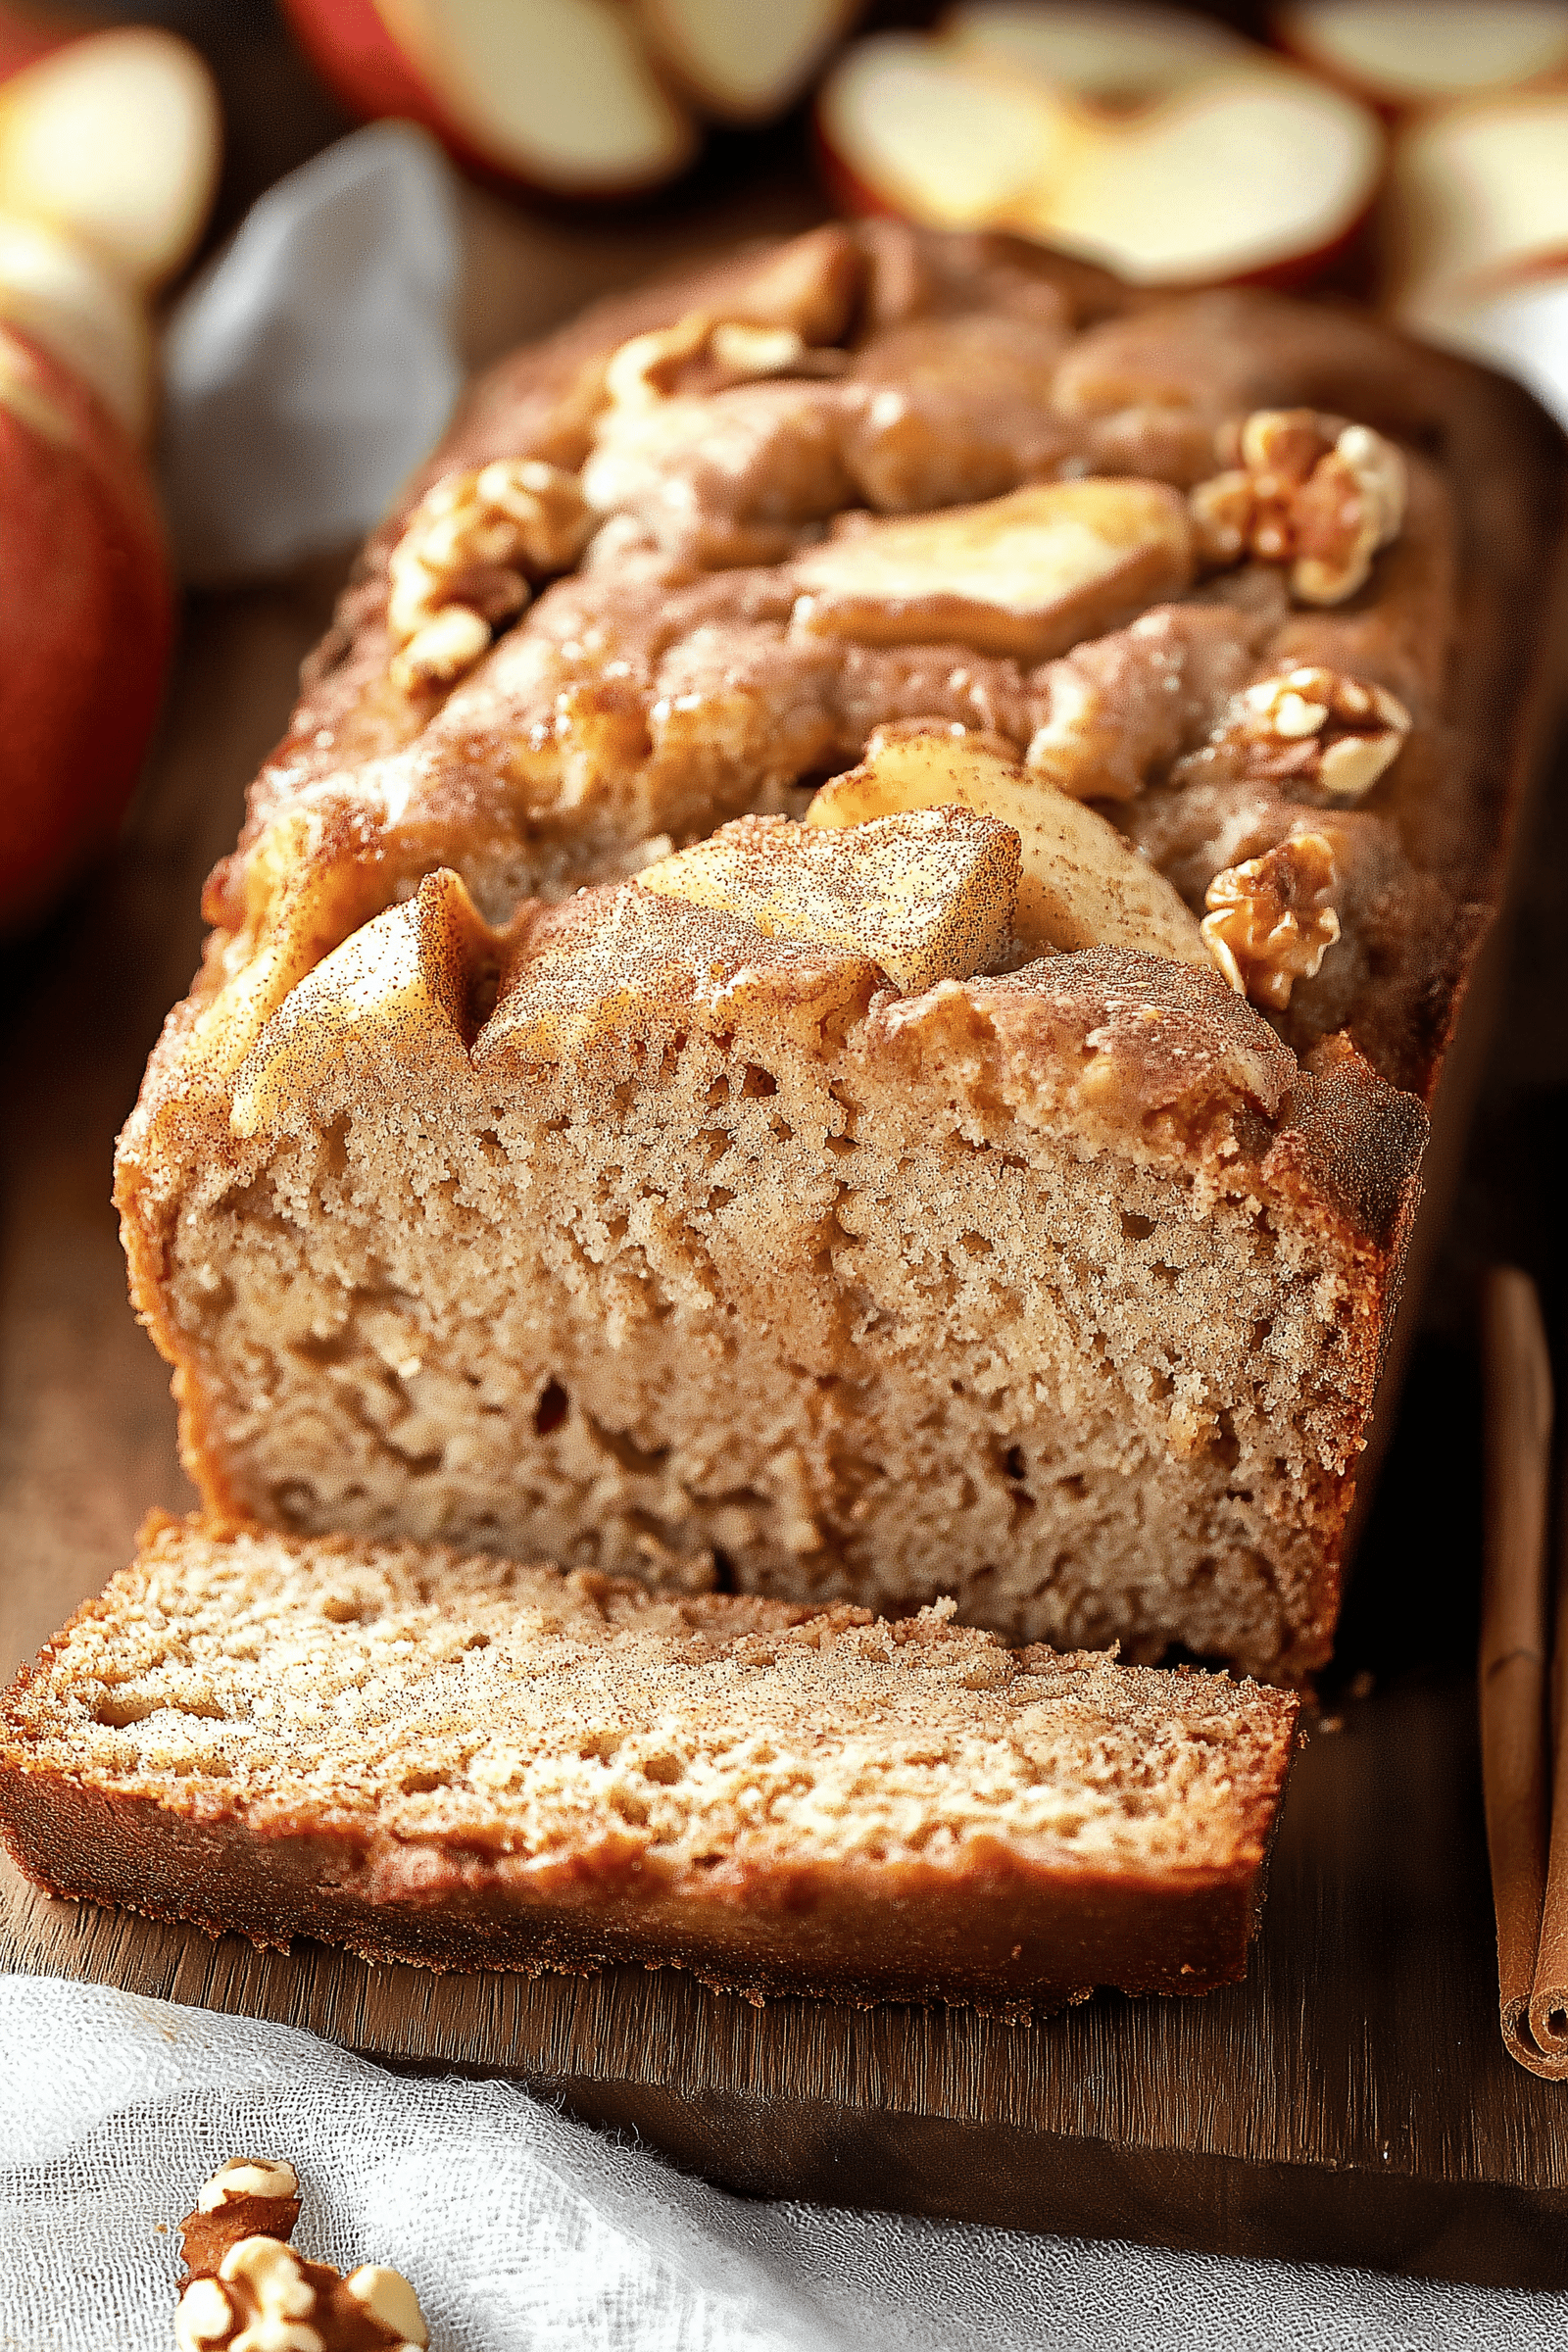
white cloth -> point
(308, 371)
(1523, 330)
(522, 2231)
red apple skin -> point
(355, 55)
(87, 621)
(352, 50)
(26, 34)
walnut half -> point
(1309, 726)
(467, 558)
(1304, 490)
(1271, 921)
(245, 2290)
(701, 354)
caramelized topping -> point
(1025, 574)
(929, 895)
(1081, 884)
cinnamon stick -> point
(1548, 1994)
(1514, 1767)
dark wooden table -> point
(1350, 2102)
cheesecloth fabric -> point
(524, 2231)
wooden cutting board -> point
(1350, 2102)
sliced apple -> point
(916, 128)
(1410, 52)
(1081, 883)
(1477, 198)
(1256, 172)
(82, 313)
(929, 895)
(560, 94)
(116, 140)
(744, 65)
(399, 985)
(1097, 49)
(1027, 574)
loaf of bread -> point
(468, 1762)
(834, 987)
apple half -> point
(559, 94)
(1477, 197)
(84, 313)
(1255, 172)
(115, 140)
(928, 132)
(1250, 171)
(586, 98)
(1097, 49)
(1403, 52)
(740, 63)
(85, 617)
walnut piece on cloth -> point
(246, 2289)
(524, 2228)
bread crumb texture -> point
(997, 1183)
(480, 1704)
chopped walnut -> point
(1309, 726)
(1270, 923)
(702, 354)
(246, 2289)
(469, 557)
(1304, 490)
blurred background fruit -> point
(85, 620)
(1164, 148)
(1414, 152)
(1404, 53)
(587, 98)
(109, 155)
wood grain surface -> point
(1350, 2102)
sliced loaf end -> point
(469, 1762)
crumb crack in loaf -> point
(835, 982)
(460, 1761)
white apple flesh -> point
(1255, 170)
(911, 126)
(1097, 49)
(1477, 195)
(1249, 174)
(559, 94)
(744, 63)
(115, 140)
(1410, 52)
(82, 313)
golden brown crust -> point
(667, 686)
(1003, 1914)
(1204, 359)
(993, 1936)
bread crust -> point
(1319, 1112)
(984, 1920)
(996, 1934)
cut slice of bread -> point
(468, 1762)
